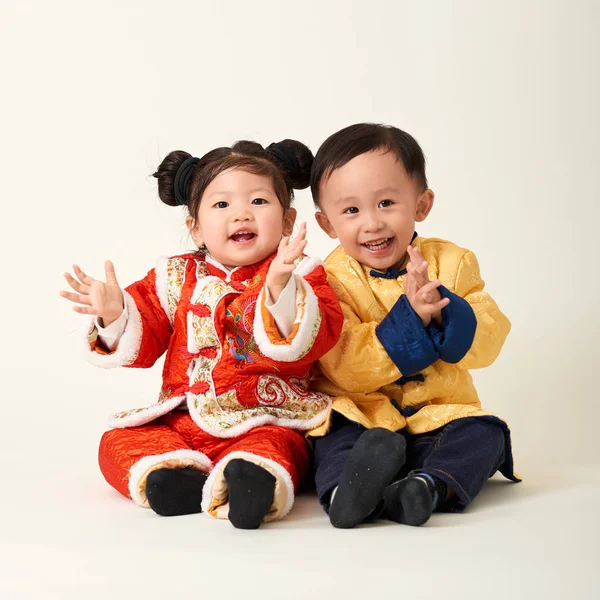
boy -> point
(416, 320)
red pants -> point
(126, 456)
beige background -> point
(503, 98)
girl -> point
(242, 321)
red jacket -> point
(226, 359)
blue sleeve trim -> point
(455, 338)
(405, 339)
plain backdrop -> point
(502, 96)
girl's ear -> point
(194, 229)
(288, 221)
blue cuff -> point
(405, 339)
(455, 338)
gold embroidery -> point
(175, 278)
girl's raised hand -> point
(95, 297)
(282, 266)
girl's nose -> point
(243, 214)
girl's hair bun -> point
(295, 159)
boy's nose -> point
(371, 225)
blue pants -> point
(464, 455)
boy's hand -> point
(95, 297)
(417, 266)
(282, 266)
(423, 294)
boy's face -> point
(371, 205)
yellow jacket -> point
(382, 333)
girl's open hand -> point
(95, 297)
(282, 266)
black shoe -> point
(251, 491)
(375, 460)
(173, 492)
(412, 500)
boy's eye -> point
(385, 203)
(221, 204)
(259, 201)
(352, 210)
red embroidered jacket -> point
(226, 360)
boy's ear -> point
(424, 205)
(194, 230)
(288, 221)
(325, 224)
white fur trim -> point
(146, 415)
(141, 469)
(280, 473)
(307, 265)
(129, 344)
(254, 422)
(303, 339)
(162, 282)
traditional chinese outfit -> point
(388, 370)
(233, 385)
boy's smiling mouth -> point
(378, 246)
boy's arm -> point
(371, 355)
(146, 334)
(474, 329)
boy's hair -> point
(183, 178)
(350, 142)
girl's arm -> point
(146, 332)
(317, 323)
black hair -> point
(350, 142)
(288, 163)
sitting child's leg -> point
(353, 468)
(255, 477)
(447, 469)
(173, 492)
(331, 455)
(154, 466)
(251, 493)
(374, 462)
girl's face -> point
(240, 219)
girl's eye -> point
(385, 203)
(221, 204)
(259, 201)
(351, 211)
